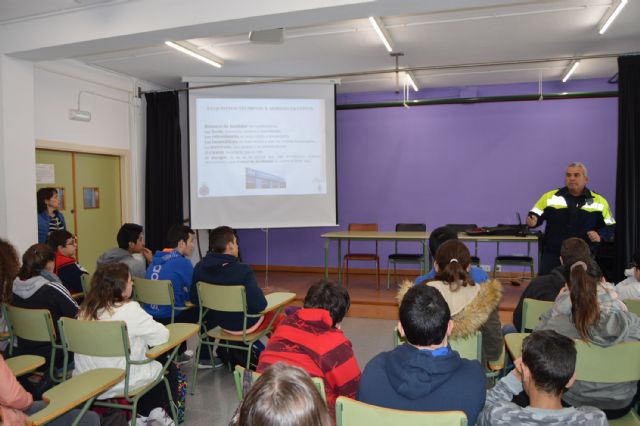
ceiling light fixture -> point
(570, 70)
(382, 32)
(411, 80)
(189, 49)
(613, 11)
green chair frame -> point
(406, 258)
(35, 325)
(231, 298)
(81, 389)
(239, 371)
(633, 305)
(111, 339)
(156, 292)
(532, 310)
(354, 413)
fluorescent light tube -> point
(611, 14)
(570, 71)
(216, 62)
(378, 25)
(411, 80)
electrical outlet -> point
(486, 268)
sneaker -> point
(206, 363)
(159, 417)
(184, 357)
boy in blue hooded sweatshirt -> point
(425, 374)
(173, 264)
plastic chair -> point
(350, 412)
(361, 257)
(24, 364)
(85, 280)
(156, 292)
(110, 339)
(633, 305)
(407, 258)
(512, 260)
(239, 371)
(532, 310)
(232, 298)
(81, 389)
(35, 325)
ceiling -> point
(487, 32)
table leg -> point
(339, 262)
(326, 259)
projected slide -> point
(248, 147)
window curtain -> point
(628, 170)
(163, 177)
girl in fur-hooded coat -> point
(473, 306)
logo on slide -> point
(203, 190)
(256, 179)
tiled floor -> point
(215, 401)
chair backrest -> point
(153, 292)
(238, 372)
(85, 280)
(532, 310)
(350, 412)
(95, 338)
(469, 347)
(614, 364)
(411, 227)
(373, 227)
(633, 305)
(224, 298)
(31, 324)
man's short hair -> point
(424, 315)
(329, 296)
(574, 249)
(178, 233)
(581, 165)
(439, 236)
(635, 260)
(219, 238)
(59, 238)
(551, 358)
(128, 233)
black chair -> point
(512, 260)
(415, 258)
(461, 227)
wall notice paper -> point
(251, 147)
(45, 173)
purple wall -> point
(476, 163)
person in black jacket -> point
(64, 244)
(37, 287)
(546, 287)
(221, 266)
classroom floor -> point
(215, 400)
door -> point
(92, 199)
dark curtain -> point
(628, 174)
(163, 177)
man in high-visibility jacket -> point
(572, 211)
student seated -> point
(283, 396)
(36, 287)
(130, 241)
(589, 309)
(67, 268)
(630, 287)
(424, 374)
(439, 236)
(9, 267)
(311, 338)
(473, 307)
(110, 300)
(16, 404)
(546, 368)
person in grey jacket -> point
(590, 309)
(546, 368)
(130, 241)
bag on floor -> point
(232, 357)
